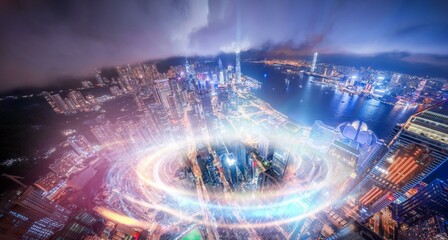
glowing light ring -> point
(143, 178)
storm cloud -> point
(43, 40)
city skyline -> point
(181, 120)
(62, 35)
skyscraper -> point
(430, 201)
(313, 64)
(418, 148)
(162, 90)
(187, 67)
(98, 78)
(220, 64)
(32, 216)
(238, 67)
(59, 103)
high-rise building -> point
(434, 227)
(32, 216)
(420, 87)
(313, 64)
(59, 103)
(418, 148)
(394, 82)
(78, 227)
(221, 77)
(175, 107)
(226, 76)
(162, 90)
(187, 67)
(238, 66)
(99, 79)
(81, 145)
(78, 99)
(220, 64)
(430, 201)
(280, 160)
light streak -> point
(146, 178)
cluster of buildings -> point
(73, 102)
(375, 185)
(388, 87)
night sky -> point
(43, 40)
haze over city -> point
(45, 40)
(223, 120)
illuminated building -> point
(219, 64)
(238, 66)
(66, 165)
(356, 146)
(434, 227)
(394, 82)
(81, 145)
(86, 84)
(175, 107)
(139, 102)
(239, 152)
(420, 87)
(322, 134)
(418, 148)
(269, 180)
(70, 104)
(187, 67)
(383, 224)
(78, 99)
(263, 146)
(280, 160)
(313, 64)
(206, 102)
(221, 77)
(98, 78)
(32, 216)
(77, 228)
(226, 76)
(59, 103)
(51, 184)
(430, 201)
(162, 90)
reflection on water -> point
(305, 102)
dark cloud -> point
(42, 40)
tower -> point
(313, 65)
(187, 67)
(220, 64)
(98, 78)
(238, 66)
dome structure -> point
(357, 131)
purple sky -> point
(43, 40)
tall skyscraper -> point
(430, 201)
(418, 148)
(162, 90)
(220, 64)
(32, 216)
(419, 89)
(313, 64)
(78, 99)
(81, 145)
(187, 67)
(238, 67)
(99, 78)
(59, 103)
